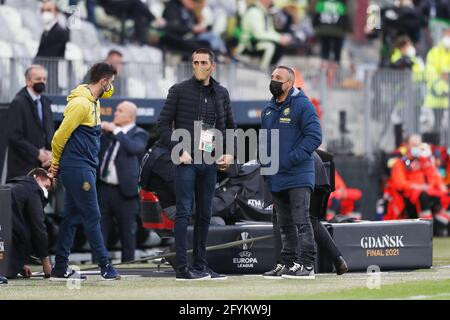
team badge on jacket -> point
(86, 186)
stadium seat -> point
(12, 17)
(32, 47)
(6, 34)
(33, 22)
(136, 88)
(6, 51)
(20, 50)
(31, 4)
(73, 52)
(23, 35)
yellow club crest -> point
(286, 111)
(86, 186)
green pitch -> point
(432, 283)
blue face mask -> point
(415, 152)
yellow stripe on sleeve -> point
(74, 115)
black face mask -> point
(276, 88)
(39, 87)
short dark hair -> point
(402, 41)
(289, 70)
(211, 55)
(41, 173)
(101, 70)
(114, 51)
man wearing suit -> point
(122, 145)
(54, 38)
(52, 44)
(30, 125)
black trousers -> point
(330, 44)
(318, 203)
(294, 224)
(113, 205)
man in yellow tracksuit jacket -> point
(75, 148)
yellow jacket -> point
(437, 65)
(76, 142)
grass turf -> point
(431, 283)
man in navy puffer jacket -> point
(291, 112)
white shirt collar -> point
(125, 128)
(48, 27)
(33, 95)
(128, 127)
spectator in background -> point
(404, 57)
(438, 14)
(52, 45)
(136, 10)
(342, 200)
(289, 18)
(29, 195)
(54, 38)
(437, 96)
(115, 58)
(259, 37)
(90, 8)
(401, 19)
(122, 145)
(417, 179)
(331, 23)
(30, 125)
(185, 30)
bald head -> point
(125, 114)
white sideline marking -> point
(429, 296)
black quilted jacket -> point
(182, 108)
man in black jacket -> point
(122, 146)
(54, 38)
(29, 197)
(30, 125)
(52, 45)
(202, 100)
(182, 28)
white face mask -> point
(48, 17)
(411, 52)
(446, 42)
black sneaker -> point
(186, 274)
(69, 274)
(109, 273)
(3, 280)
(298, 271)
(214, 275)
(276, 272)
(340, 265)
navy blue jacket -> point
(299, 135)
(132, 148)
